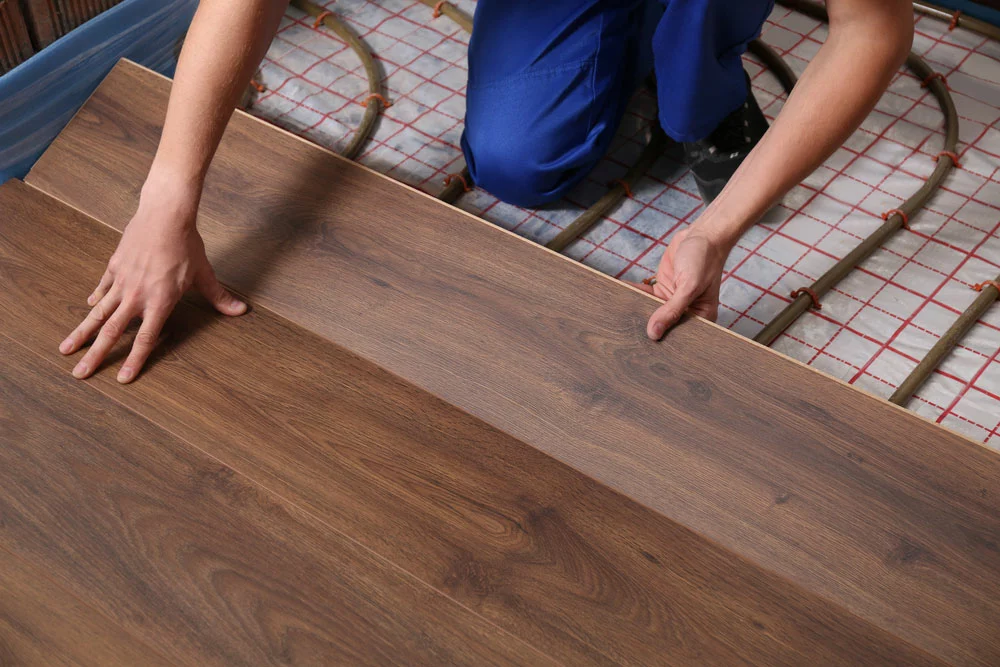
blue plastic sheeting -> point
(38, 97)
(973, 9)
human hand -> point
(160, 256)
(688, 278)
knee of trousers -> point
(519, 167)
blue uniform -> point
(549, 81)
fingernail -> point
(125, 374)
(658, 329)
(66, 345)
(90, 300)
(81, 370)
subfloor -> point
(873, 327)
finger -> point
(661, 290)
(144, 344)
(110, 334)
(223, 300)
(648, 289)
(102, 288)
(667, 315)
(86, 330)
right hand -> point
(160, 256)
(688, 280)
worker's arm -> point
(869, 40)
(161, 254)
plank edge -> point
(389, 564)
(125, 63)
(393, 565)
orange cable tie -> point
(902, 214)
(622, 182)
(979, 287)
(257, 85)
(954, 20)
(319, 18)
(934, 75)
(812, 295)
(953, 155)
(437, 8)
(378, 96)
(451, 177)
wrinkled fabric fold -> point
(549, 82)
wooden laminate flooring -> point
(195, 560)
(439, 420)
(581, 572)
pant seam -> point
(593, 76)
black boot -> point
(714, 159)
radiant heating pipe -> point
(988, 294)
(775, 63)
(989, 290)
(441, 7)
(807, 297)
(455, 186)
(375, 97)
(956, 19)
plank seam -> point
(808, 592)
(569, 262)
(93, 386)
(737, 555)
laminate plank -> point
(42, 624)
(870, 506)
(194, 560)
(583, 573)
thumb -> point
(668, 314)
(223, 300)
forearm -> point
(223, 47)
(868, 42)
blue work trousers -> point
(549, 81)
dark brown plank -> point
(871, 506)
(42, 624)
(191, 558)
(577, 570)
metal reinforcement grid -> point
(873, 327)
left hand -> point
(688, 278)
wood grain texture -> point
(193, 559)
(583, 573)
(41, 623)
(859, 501)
